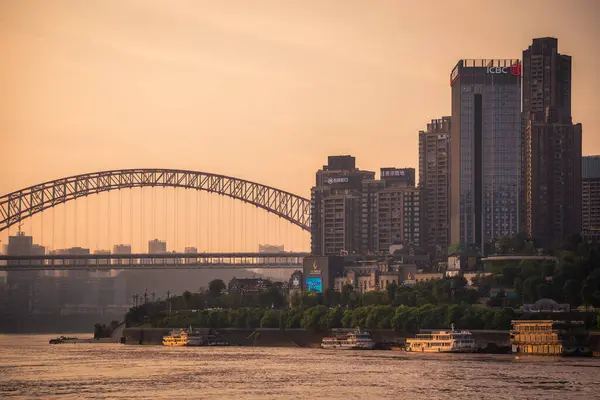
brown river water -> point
(31, 368)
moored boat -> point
(452, 341)
(550, 338)
(70, 340)
(191, 337)
(356, 340)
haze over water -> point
(31, 368)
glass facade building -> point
(485, 151)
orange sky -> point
(262, 90)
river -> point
(31, 368)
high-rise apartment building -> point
(157, 246)
(591, 193)
(551, 146)
(434, 181)
(390, 211)
(485, 172)
(547, 81)
(336, 207)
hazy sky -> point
(262, 90)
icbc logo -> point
(514, 69)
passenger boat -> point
(356, 340)
(451, 341)
(190, 337)
(550, 338)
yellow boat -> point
(190, 337)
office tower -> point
(157, 246)
(336, 207)
(122, 249)
(547, 81)
(552, 146)
(591, 193)
(485, 160)
(434, 180)
(390, 211)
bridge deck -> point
(151, 261)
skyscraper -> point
(591, 194)
(434, 180)
(485, 135)
(547, 81)
(336, 206)
(552, 146)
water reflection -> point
(29, 367)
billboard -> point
(336, 179)
(314, 284)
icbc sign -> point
(514, 69)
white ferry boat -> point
(452, 341)
(189, 337)
(349, 341)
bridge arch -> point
(24, 203)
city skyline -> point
(379, 102)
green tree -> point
(380, 317)
(590, 289)
(390, 291)
(270, 319)
(333, 319)
(292, 318)
(530, 286)
(311, 318)
(216, 287)
(359, 317)
(347, 319)
(271, 297)
(543, 290)
(373, 298)
(296, 300)
(187, 296)
(331, 297)
(347, 290)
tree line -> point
(574, 279)
(322, 318)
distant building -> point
(122, 249)
(336, 207)
(591, 193)
(102, 252)
(485, 171)
(247, 285)
(191, 250)
(376, 276)
(157, 246)
(319, 272)
(552, 146)
(390, 211)
(20, 245)
(38, 250)
(434, 180)
(79, 251)
(270, 248)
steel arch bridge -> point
(24, 203)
